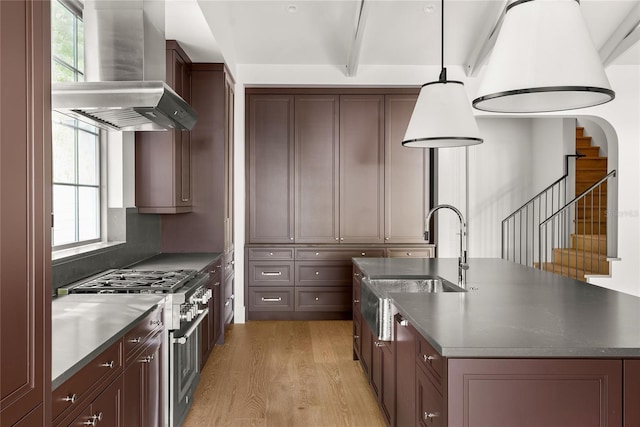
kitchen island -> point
(521, 347)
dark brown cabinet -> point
(105, 409)
(430, 404)
(361, 169)
(142, 385)
(25, 212)
(405, 360)
(317, 178)
(631, 402)
(270, 172)
(406, 176)
(212, 328)
(228, 296)
(163, 159)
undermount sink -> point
(375, 303)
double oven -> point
(186, 306)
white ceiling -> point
(396, 32)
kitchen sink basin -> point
(375, 303)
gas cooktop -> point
(135, 281)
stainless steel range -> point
(185, 308)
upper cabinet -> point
(163, 159)
(329, 168)
(406, 178)
(25, 213)
(270, 168)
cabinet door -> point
(535, 392)
(153, 384)
(387, 382)
(405, 355)
(361, 169)
(430, 405)
(183, 178)
(366, 349)
(270, 163)
(25, 211)
(133, 382)
(107, 408)
(631, 393)
(406, 176)
(229, 105)
(143, 386)
(317, 171)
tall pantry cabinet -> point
(25, 213)
(327, 180)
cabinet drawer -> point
(270, 253)
(313, 274)
(429, 412)
(271, 273)
(323, 299)
(270, 299)
(336, 254)
(356, 304)
(72, 392)
(136, 338)
(430, 360)
(228, 263)
(357, 340)
(428, 252)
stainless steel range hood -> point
(125, 68)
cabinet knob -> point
(317, 273)
(290, 238)
(107, 365)
(342, 238)
(356, 301)
(428, 359)
(378, 344)
(429, 416)
(355, 337)
(72, 398)
(404, 323)
(317, 299)
(317, 253)
(155, 322)
(270, 253)
(363, 254)
(386, 238)
(337, 238)
(408, 253)
(356, 274)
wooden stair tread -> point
(563, 270)
(581, 253)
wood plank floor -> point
(284, 374)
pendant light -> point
(543, 60)
(442, 116)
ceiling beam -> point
(482, 50)
(356, 43)
(626, 35)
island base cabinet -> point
(534, 392)
(429, 408)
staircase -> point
(586, 250)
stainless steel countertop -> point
(83, 326)
(515, 311)
(177, 261)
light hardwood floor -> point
(284, 374)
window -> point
(75, 145)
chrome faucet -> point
(462, 259)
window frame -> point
(75, 7)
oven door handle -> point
(192, 328)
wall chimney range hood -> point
(125, 69)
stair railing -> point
(520, 229)
(583, 217)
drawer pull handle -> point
(404, 323)
(356, 274)
(233, 296)
(271, 273)
(226, 304)
(107, 365)
(429, 416)
(147, 359)
(272, 299)
(135, 340)
(378, 344)
(356, 337)
(71, 398)
(429, 359)
(356, 301)
(156, 322)
(93, 420)
(363, 254)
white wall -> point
(621, 116)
